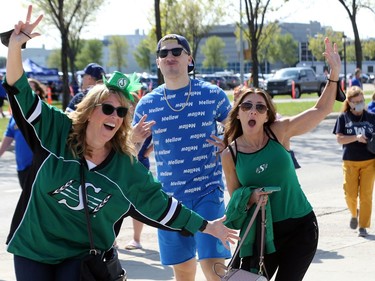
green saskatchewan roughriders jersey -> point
(49, 224)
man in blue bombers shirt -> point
(185, 112)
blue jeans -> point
(29, 270)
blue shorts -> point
(175, 248)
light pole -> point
(344, 43)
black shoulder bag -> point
(99, 266)
(371, 144)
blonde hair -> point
(352, 92)
(121, 141)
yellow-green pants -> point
(359, 177)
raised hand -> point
(333, 58)
(23, 31)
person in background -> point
(38, 87)
(353, 128)
(3, 96)
(92, 75)
(24, 155)
(257, 156)
(185, 113)
(356, 80)
(90, 150)
(371, 105)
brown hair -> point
(40, 89)
(121, 142)
(352, 92)
(233, 128)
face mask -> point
(358, 107)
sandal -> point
(133, 245)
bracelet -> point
(333, 80)
(203, 226)
(24, 33)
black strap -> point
(234, 157)
(93, 251)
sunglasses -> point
(175, 52)
(108, 109)
(246, 106)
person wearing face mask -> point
(353, 128)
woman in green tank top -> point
(257, 156)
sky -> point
(123, 17)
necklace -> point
(186, 102)
(255, 147)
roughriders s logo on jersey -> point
(70, 194)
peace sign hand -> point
(23, 31)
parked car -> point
(232, 81)
(217, 80)
(305, 81)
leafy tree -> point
(54, 59)
(369, 50)
(284, 48)
(118, 48)
(92, 51)
(352, 7)
(255, 14)
(142, 54)
(316, 43)
(70, 17)
(213, 51)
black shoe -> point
(353, 223)
(362, 232)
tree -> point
(316, 43)
(92, 51)
(255, 14)
(69, 17)
(369, 50)
(284, 48)
(54, 59)
(118, 48)
(352, 7)
(142, 54)
(213, 51)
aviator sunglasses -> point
(176, 52)
(108, 109)
(246, 106)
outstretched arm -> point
(23, 31)
(309, 119)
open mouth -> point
(109, 126)
(252, 123)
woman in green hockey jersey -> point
(48, 235)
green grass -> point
(285, 108)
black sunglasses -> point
(175, 52)
(108, 109)
(246, 106)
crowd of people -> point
(102, 144)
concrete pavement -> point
(341, 255)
